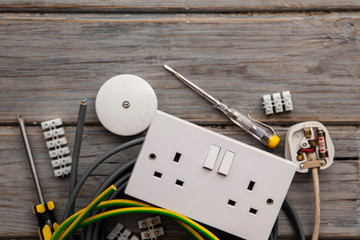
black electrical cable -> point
(76, 151)
(271, 237)
(294, 218)
(276, 228)
(87, 173)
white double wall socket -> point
(210, 178)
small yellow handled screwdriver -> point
(45, 210)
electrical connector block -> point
(58, 151)
(150, 224)
(268, 104)
(278, 101)
(152, 233)
(287, 100)
(121, 233)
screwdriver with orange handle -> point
(44, 211)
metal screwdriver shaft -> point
(31, 160)
(193, 86)
(44, 211)
(260, 131)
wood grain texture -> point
(339, 184)
(176, 5)
(50, 62)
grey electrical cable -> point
(287, 206)
(120, 190)
(88, 231)
(76, 152)
(94, 231)
(92, 168)
(125, 169)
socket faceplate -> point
(170, 173)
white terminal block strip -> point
(121, 233)
(56, 143)
(210, 178)
(278, 101)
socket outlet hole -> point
(157, 174)
(253, 211)
(179, 182)
(177, 157)
(251, 186)
(269, 201)
(231, 203)
(152, 156)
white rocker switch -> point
(226, 163)
(211, 157)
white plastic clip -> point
(152, 233)
(268, 104)
(287, 101)
(149, 224)
(58, 151)
(121, 233)
(278, 101)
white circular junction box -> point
(126, 104)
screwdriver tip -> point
(19, 117)
(169, 69)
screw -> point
(156, 233)
(304, 144)
(126, 104)
(269, 201)
(313, 143)
(301, 166)
(322, 162)
(144, 224)
(152, 156)
(147, 235)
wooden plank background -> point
(177, 5)
(55, 53)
